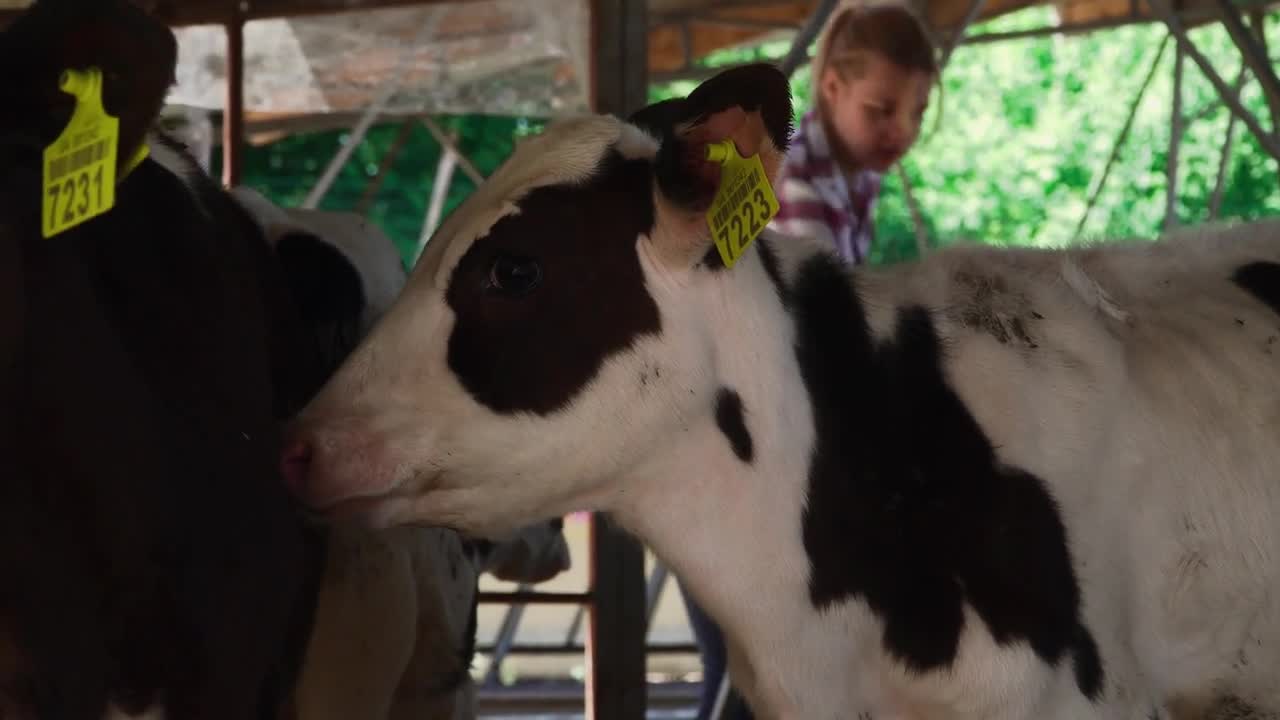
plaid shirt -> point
(819, 199)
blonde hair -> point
(858, 28)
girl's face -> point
(876, 115)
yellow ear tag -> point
(744, 204)
(80, 166)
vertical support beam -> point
(616, 633)
(619, 56)
(616, 684)
(233, 110)
(1175, 141)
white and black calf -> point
(996, 484)
(395, 623)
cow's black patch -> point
(733, 423)
(770, 261)
(1262, 280)
(909, 507)
(536, 351)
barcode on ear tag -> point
(80, 165)
(744, 203)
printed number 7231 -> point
(76, 186)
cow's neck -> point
(732, 528)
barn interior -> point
(608, 638)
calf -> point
(995, 484)
(149, 564)
(395, 626)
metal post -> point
(384, 167)
(356, 136)
(1124, 134)
(439, 191)
(917, 217)
(233, 112)
(616, 686)
(371, 114)
(653, 592)
(799, 52)
(1175, 140)
(1258, 23)
(1224, 160)
(506, 638)
(574, 625)
(975, 8)
(1269, 142)
(1255, 57)
(451, 143)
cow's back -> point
(1141, 382)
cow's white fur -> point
(1150, 411)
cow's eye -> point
(514, 276)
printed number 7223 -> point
(744, 231)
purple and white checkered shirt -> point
(820, 200)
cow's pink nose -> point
(295, 463)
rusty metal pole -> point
(616, 683)
(233, 111)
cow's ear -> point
(136, 53)
(750, 106)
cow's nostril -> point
(295, 462)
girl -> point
(872, 75)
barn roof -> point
(333, 58)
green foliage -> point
(1025, 130)
(1029, 124)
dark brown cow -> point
(148, 554)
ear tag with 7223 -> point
(80, 166)
(743, 205)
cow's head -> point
(543, 351)
(136, 53)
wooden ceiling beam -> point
(179, 13)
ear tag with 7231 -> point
(80, 166)
(743, 205)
